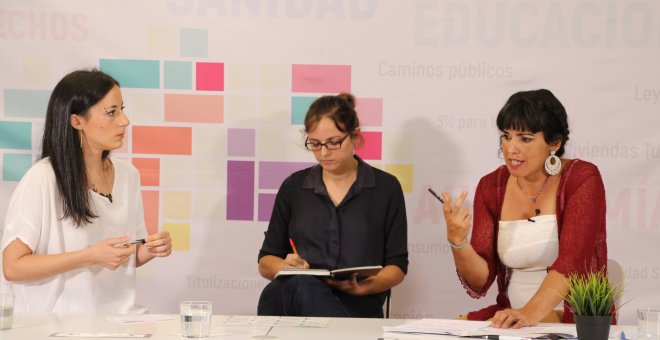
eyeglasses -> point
(330, 145)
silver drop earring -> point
(552, 164)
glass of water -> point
(648, 324)
(195, 319)
(6, 310)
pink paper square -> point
(210, 76)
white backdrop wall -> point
(215, 90)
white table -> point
(41, 327)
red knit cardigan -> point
(580, 217)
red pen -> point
(293, 245)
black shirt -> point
(369, 227)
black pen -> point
(436, 196)
(126, 244)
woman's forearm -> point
(472, 267)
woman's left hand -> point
(350, 286)
(512, 318)
(159, 244)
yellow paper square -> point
(176, 171)
(37, 70)
(211, 174)
(275, 110)
(210, 141)
(163, 42)
(241, 110)
(404, 173)
(240, 77)
(398, 146)
(275, 78)
(209, 205)
(176, 204)
(180, 234)
(145, 107)
(279, 144)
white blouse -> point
(35, 217)
(527, 248)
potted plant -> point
(592, 298)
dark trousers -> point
(303, 295)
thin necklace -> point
(102, 178)
(533, 197)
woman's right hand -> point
(295, 261)
(107, 255)
(457, 218)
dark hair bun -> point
(349, 98)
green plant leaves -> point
(591, 294)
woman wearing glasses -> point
(339, 213)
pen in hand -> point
(436, 196)
(293, 245)
(126, 244)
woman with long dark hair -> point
(68, 242)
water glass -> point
(6, 310)
(195, 319)
(648, 324)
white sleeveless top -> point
(527, 248)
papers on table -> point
(270, 321)
(99, 335)
(138, 318)
(440, 327)
(468, 328)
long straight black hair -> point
(74, 94)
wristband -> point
(460, 246)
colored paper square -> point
(176, 172)
(194, 43)
(299, 108)
(240, 77)
(210, 141)
(194, 108)
(37, 71)
(210, 174)
(372, 146)
(208, 206)
(241, 110)
(162, 42)
(275, 110)
(14, 166)
(240, 191)
(398, 146)
(140, 74)
(176, 204)
(180, 234)
(149, 169)
(15, 135)
(321, 78)
(26, 103)
(404, 173)
(275, 78)
(210, 76)
(178, 75)
(162, 140)
(150, 202)
(277, 143)
(272, 174)
(370, 111)
(240, 142)
(145, 108)
(266, 203)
